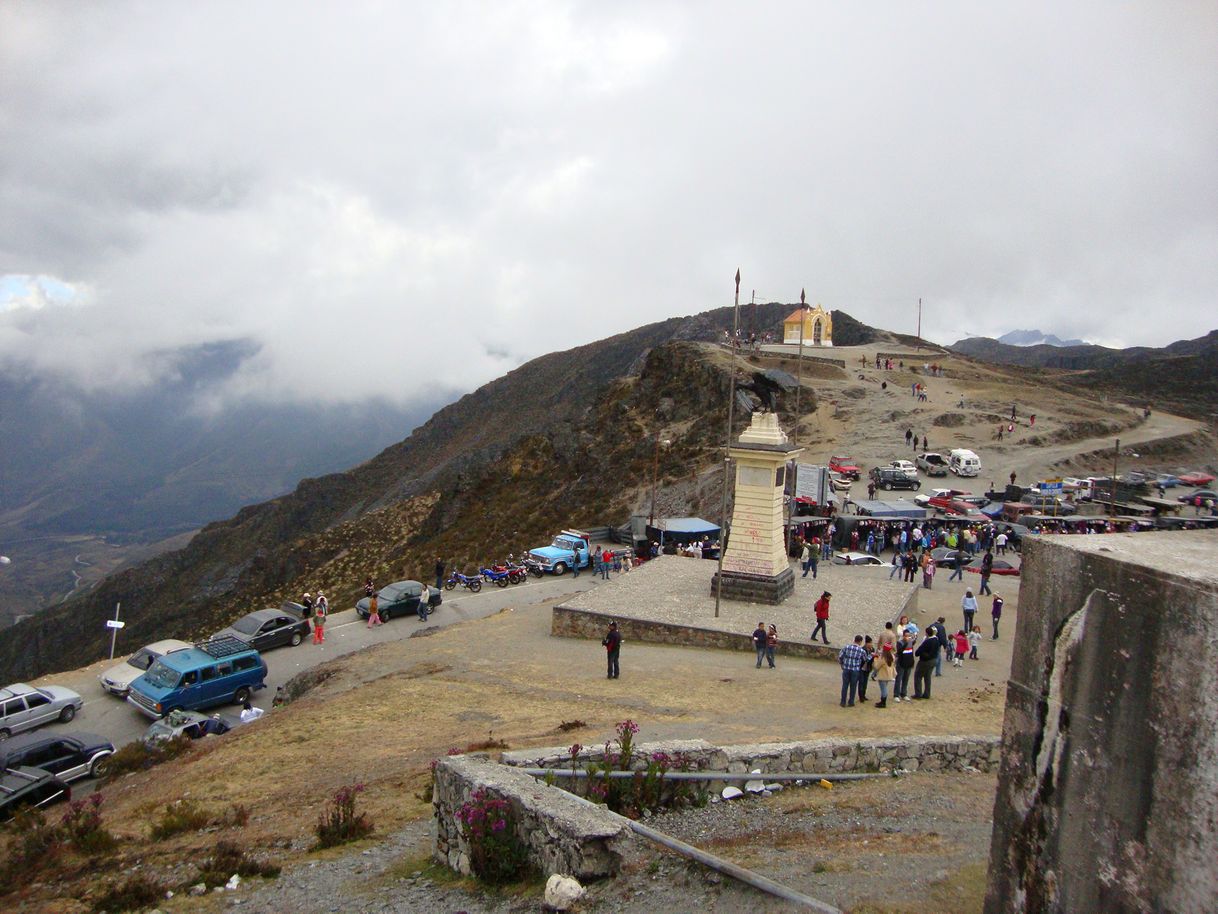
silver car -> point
(24, 707)
(117, 680)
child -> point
(961, 647)
(974, 639)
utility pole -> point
(919, 323)
(799, 386)
(727, 457)
(1112, 489)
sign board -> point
(813, 482)
(114, 623)
(1051, 487)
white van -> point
(964, 462)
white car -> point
(117, 680)
(859, 558)
(904, 466)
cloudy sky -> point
(385, 196)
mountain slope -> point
(405, 497)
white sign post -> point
(114, 625)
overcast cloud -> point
(388, 196)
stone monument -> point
(755, 566)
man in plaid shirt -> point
(851, 659)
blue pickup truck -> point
(570, 549)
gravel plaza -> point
(675, 592)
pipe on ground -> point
(710, 775)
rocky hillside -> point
(566, 438)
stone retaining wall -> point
(565, 835)
(570, 622)
(820, 756)
(562, 834)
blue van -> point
(212, 673)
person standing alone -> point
(822, 617)
(439, 569)
(613, 648)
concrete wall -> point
(570, 622)
(1108, 793)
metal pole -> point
(919, 323)
(655, 468)
(114, 631)
(727, 458)
(748, 877)
(711, 775)
(799, 386)
(1112, 489)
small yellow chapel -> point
(817, 326)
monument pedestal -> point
(755, 565)
(755, 588)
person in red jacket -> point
(961, 638)
(822, 616)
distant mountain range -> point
(1182, 375)
(141, 467)
(1036, 338)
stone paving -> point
(677, 590)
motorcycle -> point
(474, 582)
(517, 574)
(498, 578)
(534, 568)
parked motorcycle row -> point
(501, 575)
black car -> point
(891, 478)
(67, 756)
(21, 787)
(267, 628)
(401, 598)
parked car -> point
(845, 467)
(1166, 481)
(839, 483)
(956, 507)
(24, 787)
(858, 558)
(932, 464)
(400, 598)
(945, 554)
(1196, 478)
(904, 466)
(189, 723)
(889, 478)
(24, 707)
(264, 629)
(67, 756)
(925, 497)
(117, 680)
(212, 673)
(1000, 566)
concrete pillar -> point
(1108, 791)
(755, 565)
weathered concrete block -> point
(1108, 792)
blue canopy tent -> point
(682, 530)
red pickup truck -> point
(845, 466)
